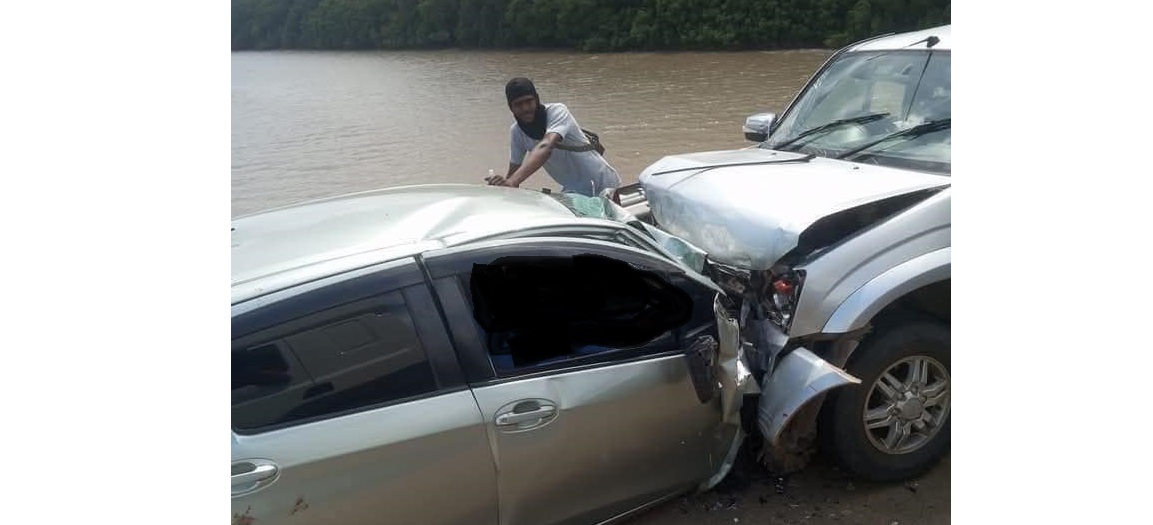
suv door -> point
(349, 407)
(596, 432)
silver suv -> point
(834, 233)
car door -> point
(587, 435)
(348, 407)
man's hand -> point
(497, 180)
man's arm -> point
(536, 158)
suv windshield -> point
(883, 107)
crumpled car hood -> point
(748, 208)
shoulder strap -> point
(577, 149)
(593, 144)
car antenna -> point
(929, 42)
(932, 41)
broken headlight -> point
(782, 291)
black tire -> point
(842, 430)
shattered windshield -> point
(660, 242)
(891, 108)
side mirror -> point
(757, 126)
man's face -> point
(524, 108)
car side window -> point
(542, 313)
(345, 362)
(268, 383)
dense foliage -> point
(590, 25)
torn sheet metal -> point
(727, 463)
(736, 380)
(800, 376)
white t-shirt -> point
(584, 172)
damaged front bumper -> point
(801, 377)
(790, 379)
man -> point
(551, 138)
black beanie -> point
(519, 87)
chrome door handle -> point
(248, 475)
(516, 418)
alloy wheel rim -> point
(907, 405)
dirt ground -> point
(818, 495)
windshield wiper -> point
(931, 126)
(863, 119)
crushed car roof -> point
(279, 248)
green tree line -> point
(588, 25)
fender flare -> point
(868, 300)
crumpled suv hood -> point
(748, 208)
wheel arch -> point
(904, 286)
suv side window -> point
(347, 359)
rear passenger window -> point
(351, 362)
